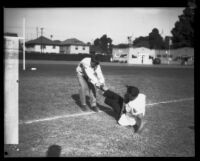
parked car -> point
(156, 61)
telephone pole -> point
(37, 32)
(41, 37)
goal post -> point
(11, 86)
(11, 97)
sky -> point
(87, 24)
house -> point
(74, 46)
(42, 45)
(133, 55)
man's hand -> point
(98, 85)
(128, 109)
(103, 87)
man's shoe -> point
(139, 125)
(95, 108)
(84, 108)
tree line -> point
(182, 34)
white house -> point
(133, 55)
(74, 46)
(42, 45)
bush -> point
(156, 61)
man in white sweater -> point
(129, 109)
(89, 76)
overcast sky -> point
(87, 24)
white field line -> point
(89, 113)
(171, 101)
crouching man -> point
(129, 109)
(90, 76)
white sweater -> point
(135, 107)
(94, 75)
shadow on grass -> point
(191, 127)
(54, 151)
(76, 98)
(108, 111)
(105, 109)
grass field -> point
(50, 114)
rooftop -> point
(41, 40)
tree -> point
(183, 32)
(89, 43)
(155, 40)
(141, 41)
(105, 43)
(166, 42)
(97, 42)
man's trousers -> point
(114, 100)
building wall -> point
(167, 56)
(64, 49)
(79, 49)
(134, 55)
(47, 49)
(73, 49)
(140, 56)
(117, 52)
(30, 49)
(176, 52)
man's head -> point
(95, 60)
(131, 93)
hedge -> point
(60, 57)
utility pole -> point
(37, 31)
(129, 49)
(170, 43)
(24, 35)
(41, 38)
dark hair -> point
(95, 59)
(131, 93)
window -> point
(133, 56)
(54, 46)
(83, 48)
(123, 56)
(165, 55)
(76, 47)
(150, 57)
(158, 55)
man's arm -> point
(100, 74)
(89, 73)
